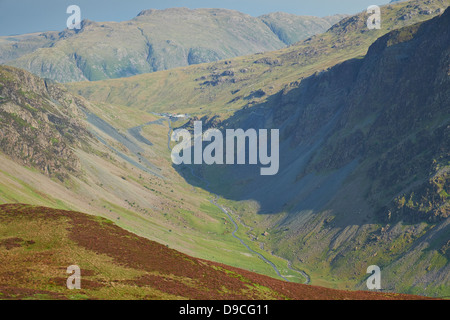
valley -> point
(363, 180)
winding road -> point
(236, 228)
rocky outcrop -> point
(40, 123)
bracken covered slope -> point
(37, 244)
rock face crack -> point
(150, 52)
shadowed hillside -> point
(388, 111)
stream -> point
(236, 227)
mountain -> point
(154, 40)
(13, 47)
(363, 178)
(59, 150)
(116, 264)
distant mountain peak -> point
(155, 40)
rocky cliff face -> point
(388, 111)
(393, 114)
(39, 123)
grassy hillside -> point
(37, 244)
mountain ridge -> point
(154, 40)
(227, 86)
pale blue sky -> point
(25, 16)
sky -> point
(27, 16)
